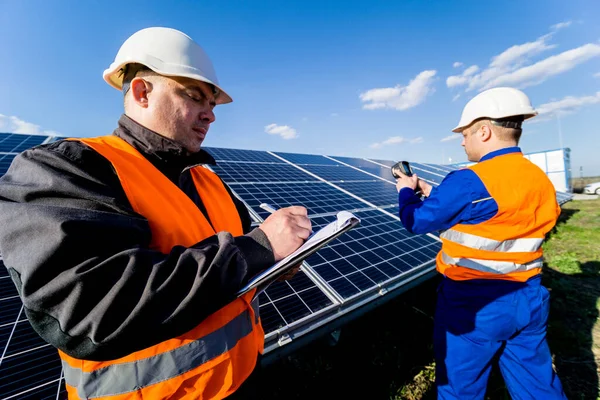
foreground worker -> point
(494, 216)
(128, 253)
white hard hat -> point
(496, 103)
(167, 52)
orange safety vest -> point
(214, 358)
(509, 245)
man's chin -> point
(193, 147)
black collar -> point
(157, 148)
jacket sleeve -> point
(460, 198)
(79, 257)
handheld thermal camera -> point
(402, 166)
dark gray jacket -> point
(80, 257)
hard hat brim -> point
(462, 127)
(111, 76)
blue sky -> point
(376, 79)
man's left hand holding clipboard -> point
(292, 271)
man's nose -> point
(208, 116)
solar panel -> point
(563, 197)
(259, 172)
(5, 160)
(377, 257)
(380, 249)
(221, 154)
(338, 173)
(379, 193)
(288, 302)
(317, 197)
(307, 159)
(16, 143)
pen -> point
(268, 207)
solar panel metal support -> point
(284, 339)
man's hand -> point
(406, 181)
(287, 229)
(424, 187)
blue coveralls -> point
(480, 321)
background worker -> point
(494, 216)
(128, 253)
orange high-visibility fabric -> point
(527, 208)
(175, 220)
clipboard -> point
(343, 223)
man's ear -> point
(140, 89)
(485, 133)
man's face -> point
(182, 109)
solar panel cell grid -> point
(241, 155)
(379, 193)
(7, 287)
(379, 240)
(355, 162)
(307, 159)
(16, 143)
(5, 161)
(318, 197)
(289, 301)
(338, 173)
(29, 370)
(255, 172)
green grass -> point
(387, 353)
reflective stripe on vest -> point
(481, 243)
(491, 266)
(121, 378)
(201, 360)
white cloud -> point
(454, 136)
(400, 97)
(456, 97)
(395, 140)
(597, 75)
(12, 124)
(459, 80)
(542, 70)
(561, 25)
(517, 54)
(568, 104)
(286, 132)
(510, 67)
(457, 64)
